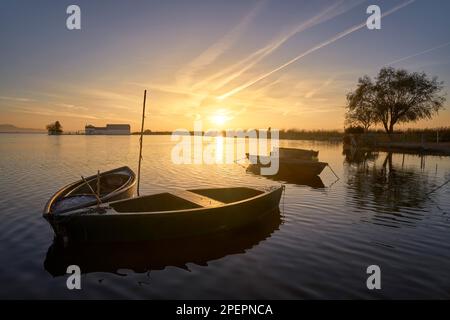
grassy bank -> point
(408, 135)
(421, 141)
(431, 148)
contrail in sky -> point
(327, 14)
(419, 53)
(219, 47)
(317, 47)
(234, 71)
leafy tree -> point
(54, 128)
(360, 111)
(396, 96)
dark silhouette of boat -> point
(157, 255)
(166, 215)
(297, 162)
(298, 153)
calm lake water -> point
(381, 211)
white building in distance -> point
(110, 129)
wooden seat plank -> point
(197, 199)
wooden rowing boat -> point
(290, 153)
(294, 162)
(107, 186)
(167, 215)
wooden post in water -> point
(140, 142)
(98, 183)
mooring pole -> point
(140, 142)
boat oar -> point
(93, 192)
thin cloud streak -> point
(51, 112)
(219, 47)
(315, 48)
(178, 90)
(313, 92)
(16, 99)
(419, 53)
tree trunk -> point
(390, 131)
(366, 128)
(391, 128)
(385, 127)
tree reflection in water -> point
(387, 189)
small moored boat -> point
(298, 153)
(167, 215)
(295, 162)
(291, 153)
(107, 186)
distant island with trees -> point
(54, 128)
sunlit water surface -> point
(383, 210)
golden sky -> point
(251, 64)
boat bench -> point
(202, 201)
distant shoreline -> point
(410, 135)
(425, 147)
(285, 135)
(21, 132)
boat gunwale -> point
(297, 150)
(297, 161)
(293, 160)
(172, 212)
(126, 186)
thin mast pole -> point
(140, 142)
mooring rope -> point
(236, 161)
(437, 188)
(333, 171)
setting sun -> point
(220, 118)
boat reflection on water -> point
(288, 176)
(157, 255)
